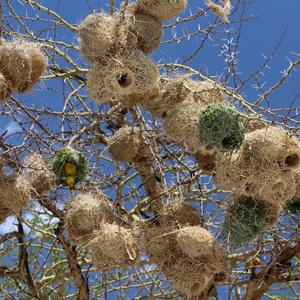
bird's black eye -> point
(124, 80)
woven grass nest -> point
(128, 80)
(271, 146)
(130, 144)
(162, 9)
(15, 194)
(114, 246)
(220, 126)
(184, 251)
(70, 167)
(21, 65)
(39, 174)
(85, 214)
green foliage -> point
(69, 155)
(244, 221)
(220, 126)
(293, 206)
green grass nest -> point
(293, 206)
(220, 126)
(244, 221)
(69, 155)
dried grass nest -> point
(271, 146)
(162, 9)
(114, 246)
(96, 37)
(188, 256)
(180, 88)
(39, 173)
(21, 65)
(130, 144)
(183, 250)
(267, 183)
(15, 194)
(85, 214)
(70, 167)
(128, 80)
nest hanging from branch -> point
(114, 246)
(220, 126)
(70, 167)
(96, 37)
(181, 124)
(271, 146)
(39, 174)
(15, 194)
(129, 144)
(85, 214)
(187, 255)
(162, 9)
(21, 64)
(128, 80)
(135, 30)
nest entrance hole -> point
(124, 80)
(292, 160)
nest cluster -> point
(184, 251)
(21, 65)
(90, 220)
(117, 48)
(263, 179)
(70, 167)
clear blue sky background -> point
(259, 37)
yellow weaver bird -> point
(255, 262)
(70, 181)
(69, 168)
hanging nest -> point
(162, 9)
(114, 247)
(5, 88)
(39, 174)
(195, 241)
(15, 64)
(271, 146)
(173, 92)
(128, 144)
(96, 37)
(135, 30)
(15, 193)
(193, 276)
(181, 124)
(38, 63)
(179, 213)
(70, 167)
(277, 186)
(85, 214)
(220, 126)
(205, 92)
(192, 269)
(128, 80)
(207, 158)
(148, 31)
(244, 221)
(221, 11)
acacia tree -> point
(38, 260)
